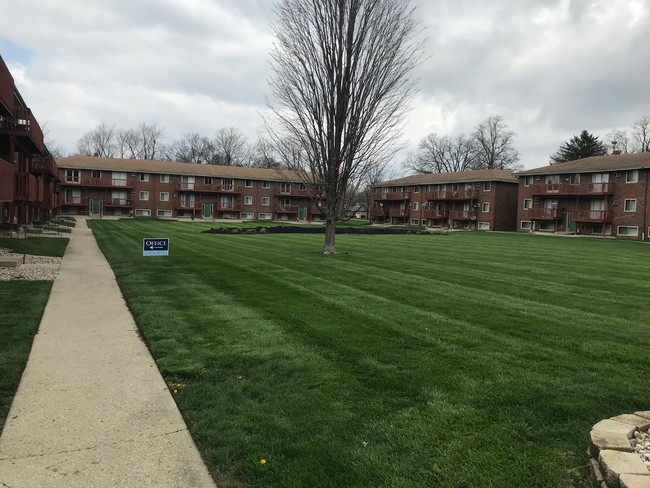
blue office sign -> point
(155, 246)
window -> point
(164, 196)
(144, 176)
(142, 212)
(247, 216)
(164, 178)
(525, 225)
(415, 222)
(96, 173)
(248, 200)
(227, 184)
(207, 180)
(266, 201)
(632, 176)
(416, 189)
(416, 206)
(630, 204)
(164, 213)
(265, 216)
(266, 184)
(72, 176)
(144, 195)
(248, 183)
(528, 180)
(484, 225)
(485, 207)
(487, 186)
(528, 203)
(627, 230)
(119, 178)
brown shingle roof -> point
(617, 162)
(460, 177)
(185, 169)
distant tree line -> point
(489, 146)
(228, 147)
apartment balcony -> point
(451, 195)
(594, 216)
(462, 215)
(201, 187)
(544, 214)
(118, 203)
(286, 209)
(7, 185)
(573, 189)
(228, 207)
(379, 212)
(44, 165)
(435, 214)
(313, 210)
(292, 192)
(23, 124)
(187, 205)
(74, 201)
(395, 196)
(398, 212)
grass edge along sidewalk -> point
(22, 304)
(475, 359)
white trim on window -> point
(485, 207)
(627, 230)
(164, 196)
(144, 196)
(630, 205)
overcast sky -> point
(550, 68)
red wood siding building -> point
(471, 200)
(602, 196)
(99, 186)
(27, 171)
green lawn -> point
(473, 359)
(21, 307)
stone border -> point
(612, 460)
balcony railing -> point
(228, 207)
(123, 183)
(187, 205)
(68, 200)
(462, 215)
(44, 165)
(544, 214)
(201, 187)
(435, 214)
(378, 212)
(599, 216)
(399, 195)
(119, 202)
(23, 123)
(286, 209)
(292, 192)
(398, 212)
(573, 189)
(461, 194)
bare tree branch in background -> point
(341, 84)
(192, 148)
(622, 140)
(494, 144)
(444, 154)
(126, 143)
(232, 147)
(641, 134)
(99, 141)
(264, 155)
(149, 136)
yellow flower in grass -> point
(262, 461)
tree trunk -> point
(330, 236)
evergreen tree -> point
(583, 146)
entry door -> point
(96, 207)
(303, 213)
(208, 208)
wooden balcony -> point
(23, 124)
(187, 205)
(398, 212)
(74, 201)
(7, 185)
(228, 207)
(294, 191)
(44, 165)
(573, 189)
(596, 216)
(435, 214)
(461, 194)
(286, 209)
(395, 196)
(118, 202)
(544, 214)
(462, 215)
(201, 187)
(379, 212)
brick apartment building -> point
(472, 200)
(98, 186)
(603, 195)
(27, 170)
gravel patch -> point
(641, 445)
(35, 267)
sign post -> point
(155, 246)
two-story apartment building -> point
(98, 186)
(472, 200)
(27, 171)
(603, 195)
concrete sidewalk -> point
(92, 409)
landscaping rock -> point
(602, 439)
(617, 463)
(615, 427)
(634, 481)
(641, 423)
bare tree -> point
(192, 148)
(232, 147)
(149, 136)
(126, 143)
(494, 144)
(99, 141)
(641, 134)
(444, 154)
(264, 155)
(341, 84)
(619, 139)
(55, 149)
